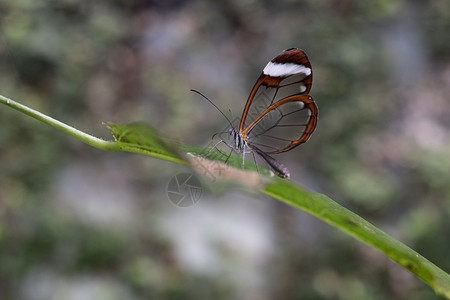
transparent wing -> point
(284, 125)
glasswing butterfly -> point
(279, 114)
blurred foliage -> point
(382, 147)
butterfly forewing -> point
(267, 95)
(279, 114)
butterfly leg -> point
(213, 147)
(229, 155)
(243, 158)
(254, 159)
(256, 165)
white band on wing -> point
(281, 70)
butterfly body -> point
(238, 140)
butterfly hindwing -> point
(283, 125)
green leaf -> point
(141, 138)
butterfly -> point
(279, 114)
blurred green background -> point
(79, 223)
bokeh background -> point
(80, 223)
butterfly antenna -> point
(213, 105)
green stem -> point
(82, 136)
